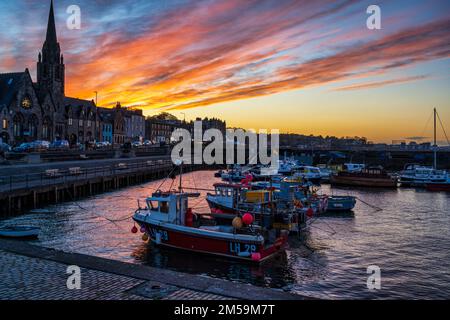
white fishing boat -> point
(415, 175)
(308, 174)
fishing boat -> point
(167, 220)
(286, 166)
(231, 199)
(19, 232)
(415, 175)
(341, 203)
(308, 173)
(233, 175)
(371, 177)
(307, 194)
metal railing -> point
(69, 175)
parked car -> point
(137, 144)
(24, 147)
(40, 145)
(60, 145)
(147, 143)
(102, 145)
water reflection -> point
(408, 240)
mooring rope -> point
(370, 205)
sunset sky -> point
(300, 66)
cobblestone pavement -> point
(25, 278)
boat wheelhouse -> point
(231, 199)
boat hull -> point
(20, 233)
(438, 187)
(341, 204)
(245, 250)
(363, 182)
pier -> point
(31, 272)
(52, 183)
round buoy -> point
(237, 223)
(143, 230)
(310, 212)
(134, 229)
(145, 237)
(247, 219)
(256, 256)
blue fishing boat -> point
(341, 203)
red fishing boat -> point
(168, 221)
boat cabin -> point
(169, 207)
(353, 167)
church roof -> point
(10, 83)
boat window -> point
(164, 207)
(153, 205)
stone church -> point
(40, 110)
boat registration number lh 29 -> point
(159, 235)
(239, 248)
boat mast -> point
(435, 144)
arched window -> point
(46, 129)
(18, 124)
(33, 123)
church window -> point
(26, 103)
(18, 125)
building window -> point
(80, 123)
(89, 123)
(5, 124)
(18, 126)
(70, 121)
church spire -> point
(50, 66)
(51, 28)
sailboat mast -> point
(435, 144)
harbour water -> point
(408, 240)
